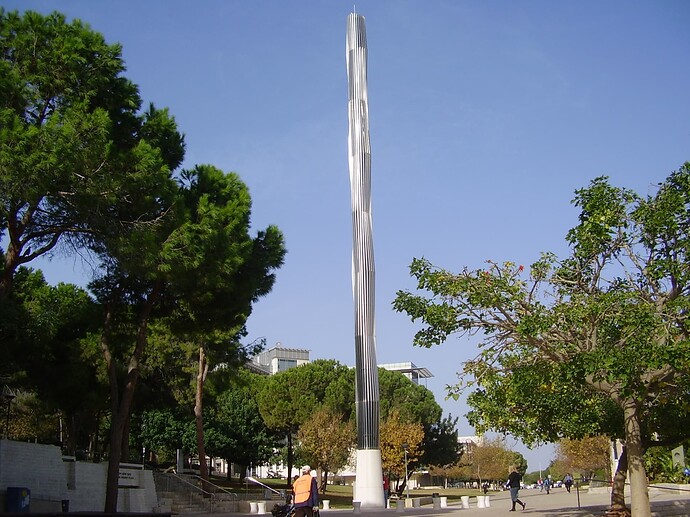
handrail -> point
(195, 487)
(221, 488)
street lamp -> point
(407, 484)
(7, 396)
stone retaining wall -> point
(52, 478)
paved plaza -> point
(559, 503)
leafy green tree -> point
(325, 441)
(413, 401)
(290, 398)
(441, 446)
(224, 271)
(235, 430)
(134, 276)
(661, 466)
(70, 136)
(163, 431)
(614, 310)
(541, 402)
(47, 347)
(80, 165)
(518, 461)
(198, 270)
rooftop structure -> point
(409, 370)
(278, 359)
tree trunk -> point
(116, 431)
(639, 496)
(113, 475)
(198, 416)
(289, 459)
(122, 405)
(124, 453)
(10, 266)
(70, 431)
(324, 481)
(618, 506)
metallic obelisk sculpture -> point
(369, 482)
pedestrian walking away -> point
(513, 483)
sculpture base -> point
(369, 480)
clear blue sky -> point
(485, 117)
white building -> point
(409, 370)
(278, 359)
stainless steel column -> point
(368, 485)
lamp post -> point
(8, 396)
(407, 484)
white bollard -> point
(253, 507)
(356, 506)
(261, 507)
(444, 502)
(326, 504)
(480, 501)
(465, 499)
(487, 501)
(400, 505)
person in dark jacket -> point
(514, 479)
(306, 494)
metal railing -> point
(175, 483)
(224, 493)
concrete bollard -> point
(400, 505)
(437, 503)
(356, 506)
(253, 507)
(261, 507)
(326, 504)
(487, 501)
(444, 502)
(480, 501)
(465, 499)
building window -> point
(286, 364)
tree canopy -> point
(613, 313)
(72, 141)
(81, 165)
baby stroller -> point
(283, 510)
(287, 510)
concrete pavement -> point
(559, 503)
